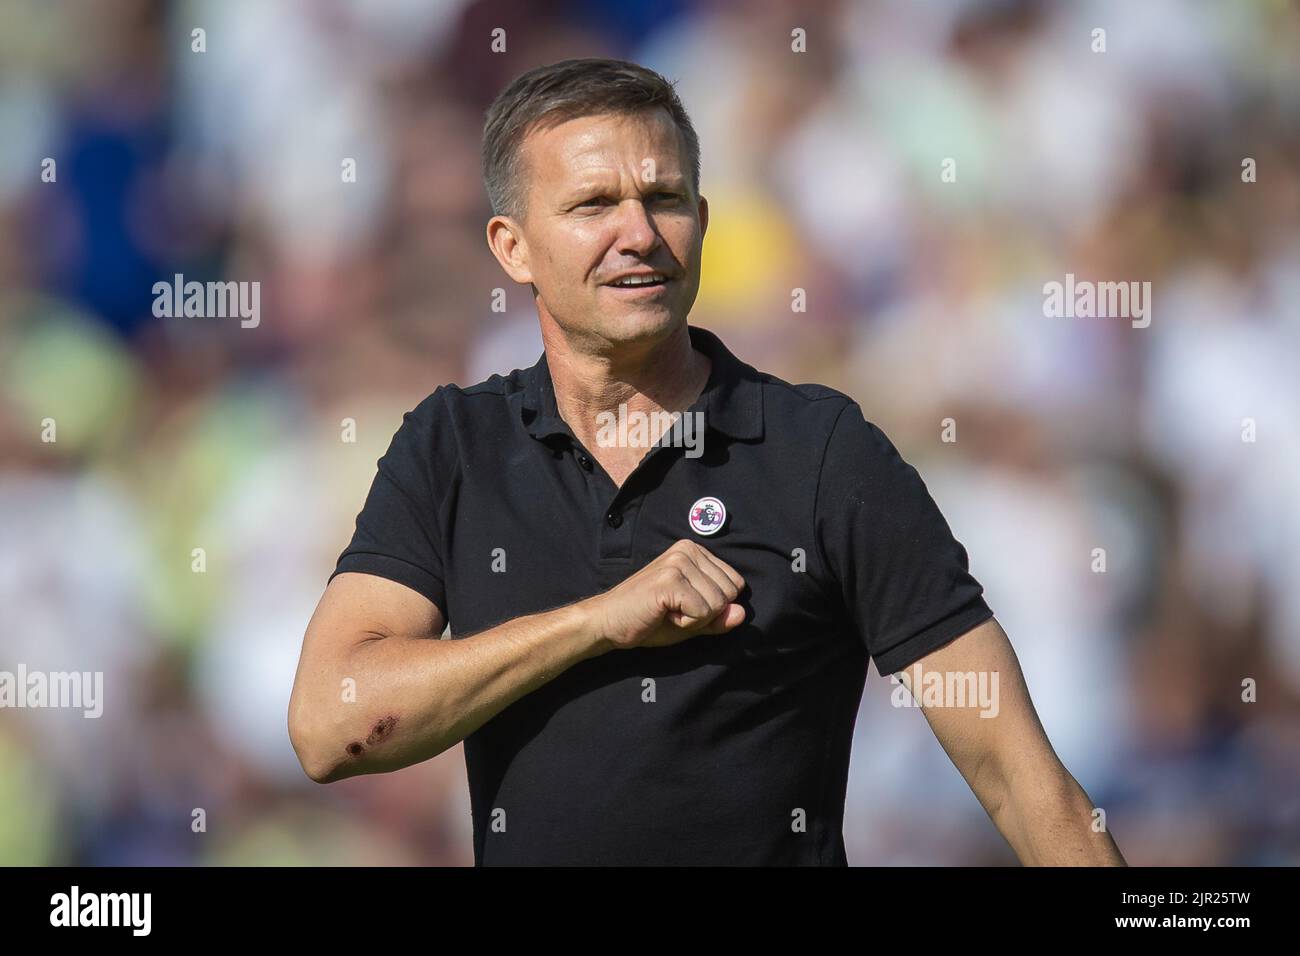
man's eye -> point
(594, 201)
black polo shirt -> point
(723, 749)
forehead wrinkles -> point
(591, 146)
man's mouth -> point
(639, 280)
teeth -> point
(639, 280)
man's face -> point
(607, 197)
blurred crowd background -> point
(823, 172)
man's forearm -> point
(1049, 821)
(416, 698)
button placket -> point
(619, 516)
(616, 531)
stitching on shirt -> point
(817, 491)
(823, 797)
(390, 557)
(415, 504)
(767, 378)
(454, 467)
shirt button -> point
(585, 462)
(613, 519)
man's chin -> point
(640, 324)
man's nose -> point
(636, 231)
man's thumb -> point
(729, 617)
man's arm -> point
(377, 691)
(1008, 761)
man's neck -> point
(663, 376)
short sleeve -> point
(904, 578)
(397, 532)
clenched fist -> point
(684, 592)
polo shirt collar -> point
(732, 400)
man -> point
(660, 634)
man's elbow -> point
(321, 771)
(314, 753)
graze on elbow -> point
(381, 731)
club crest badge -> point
(708, 515)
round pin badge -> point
(708, 516)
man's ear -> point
(704, 216)
(505, 240)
